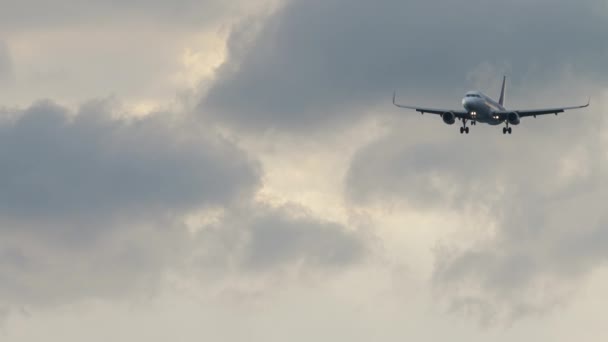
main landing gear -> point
(464, 128)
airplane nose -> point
(469, 103)
(465, 102)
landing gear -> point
(464, 128)
(506, 130)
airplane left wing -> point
(458, 113)
(535, 112)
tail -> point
(501, 100)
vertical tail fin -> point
(501, 100)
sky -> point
(235, 171)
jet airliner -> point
(481, 108)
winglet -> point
(587, 104)
(394, 96)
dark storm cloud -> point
(543, 191)
(317, 61)
(95, 167)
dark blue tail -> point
(501, 100)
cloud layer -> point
(98, 203)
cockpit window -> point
(473, 95)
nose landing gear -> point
(506, 130)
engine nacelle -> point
(449, 118)
(513, 118)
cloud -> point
(92, 166)
(543, 246)
(6, 64)
(124, 261)
(281, 239)
(533, 264)
(319, 62)
(265, 239)
(35, 14)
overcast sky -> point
(235, 171)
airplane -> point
(480, 108)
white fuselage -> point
(481, 108)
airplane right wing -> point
(534, 112)
(458, 113)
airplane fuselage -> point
(481, 108)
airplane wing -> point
(458, 113)
(534, 112)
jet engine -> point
(513, 118)
(449, 118)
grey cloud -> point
(317, 62)
(388, 169)
(530, 267)
(261, 240)
(127, 263)
(95, 167)
(278, 238)
(453, 172)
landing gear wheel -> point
(510, 130)
(461, 130)
(466, 129)
(504, 130)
